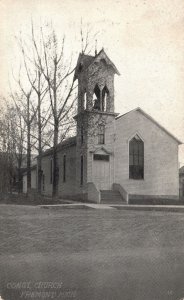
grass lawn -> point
(88, 254)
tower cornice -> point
(95, 112)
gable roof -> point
(87, 60)
(181, 170)
(65, 144)
(153, 120)
(102, 54)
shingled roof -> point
(65, 144)
(86, 60)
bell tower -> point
(95, 76)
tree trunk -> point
(39, 170)
(28, 160)
(55, 161)
(28, 147)
(19, 173)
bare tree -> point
(26, 109)
(57, 71)
(17, 135)
(49, 75)
(8, 148)
(40, 89)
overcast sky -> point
(144, 39)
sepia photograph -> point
(92, 149)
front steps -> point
(111, 197)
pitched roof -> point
(103, 54)
(64, 144)
(86, 60)
(100, 148)
(153, 120)
(181, 170)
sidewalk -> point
(81, 205)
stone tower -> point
(95, 119)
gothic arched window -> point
(85, 101)
(96, 97)
(105, 93)
(136, 158)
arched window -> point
(136, 158)
(96, 97)
(85, 101)
(105, 93)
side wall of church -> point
(160, 157)
(66, 188)
(46, 184)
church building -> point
(112, 157)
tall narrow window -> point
(64, 168)
(85, 101)
(43, 182)
(105, 93)
(136, 158)
(101, 134)
(82, 171)
(82, 135)
(51, 172)
(96, 98)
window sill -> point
(137, 179)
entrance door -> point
(101, 174)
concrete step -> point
(109, 192)
(111, 197)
